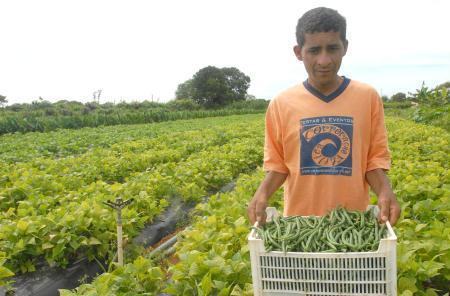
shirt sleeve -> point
(379, 155)
(273, 145)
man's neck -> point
(327, 89)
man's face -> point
(322, 55)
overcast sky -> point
(134, 50)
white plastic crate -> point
(301, 273)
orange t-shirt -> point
(325, 144)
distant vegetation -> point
(43, 116)
(210, 92)
(201, 96)
(426, 105)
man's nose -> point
(324, 59)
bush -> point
(397, 105)
(257, 104)
(182, 104)
(398, 97)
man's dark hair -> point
(320, 19)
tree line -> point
(210, 87)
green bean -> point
(340, 230)
(309, 223)
(362, 218)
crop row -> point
(213, 253)
(65, 142)
(420, 176)
(45, 182)
(25, 123)
(82, 225)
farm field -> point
(49, 119)
(52, 189)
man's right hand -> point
(257, 210)
(257, 207)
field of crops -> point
(52, 186)
(45, 121)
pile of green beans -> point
(338, 231)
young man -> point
(325, 138)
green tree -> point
(3, 101)
(215, 87)
(210, 88)
(237, 82)
(443, 85)
(184, 90)
(399, 97)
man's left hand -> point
(389, 208)
(387, 202)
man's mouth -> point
(324, 72)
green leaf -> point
(237, 291)
(20, 245)
(115, 187)
(419, 227)
(22, 225)
(74, 244)
(193, 270)
(32, 241)
(5, 272)
(225, 291)
(58, 250)
(431, 292)
(94, 241)
(63, 292)
(407, 284)
(432, 268)
(206, 284)
(46, 246)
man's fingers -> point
(261, 219)
(256, 211)
(395, 213)
(384, 206)
(251, 213)
(261, 212)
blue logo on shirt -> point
(326, 145)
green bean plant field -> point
(53, 185)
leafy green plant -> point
(213, 252)
(5, 273)
(140, 277)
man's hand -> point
(389, 209)
(257, 207)
(387, 202)
(257, 210)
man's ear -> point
(298, 52)
(345, 46)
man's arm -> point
(257, 207)
(387, 202)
